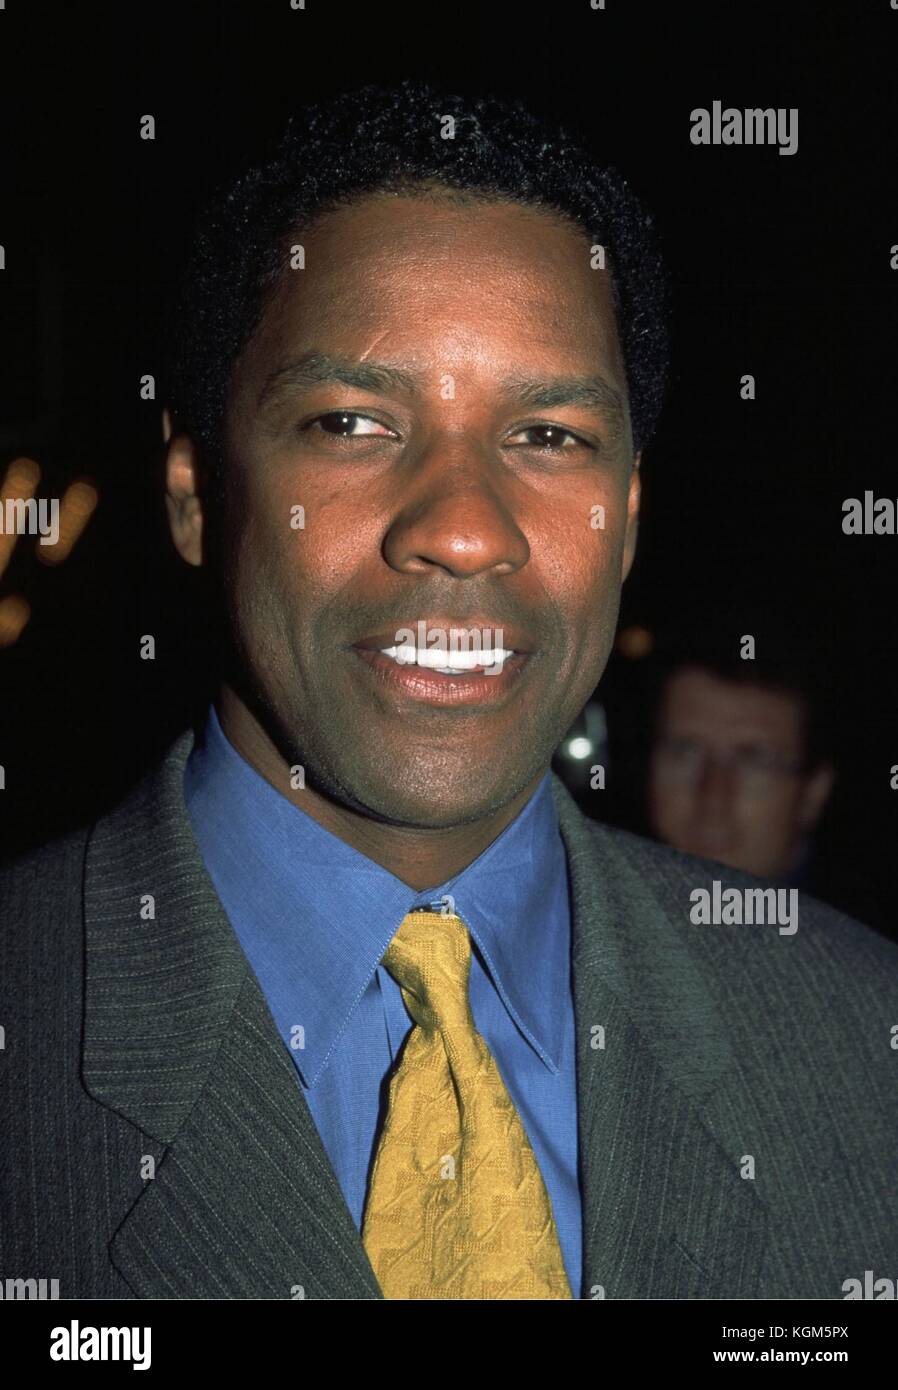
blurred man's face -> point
(412, 390)
(726, 780)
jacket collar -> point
(178, 1039)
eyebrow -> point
(313, 368)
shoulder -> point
(33, 879)
(752, 928)
(807, 1020)
(41, 936)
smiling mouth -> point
(452, 679)
(450, 663)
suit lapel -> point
(666, 1213)
(179, 1040)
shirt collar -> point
(315, 916)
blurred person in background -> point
(740, 768)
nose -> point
(455, 518)
(716, 790)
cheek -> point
(578, 550)
(282, 539)
(672, 807)
(768, 821)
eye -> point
(753, 758)
(552, 436)
(681, 748)
(342, 423)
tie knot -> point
(430, 959)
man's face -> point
(726, 780)
(437, 501)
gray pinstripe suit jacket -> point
(128, 1039)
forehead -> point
(444, 272)
(706, 703)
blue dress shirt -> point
(314, 917)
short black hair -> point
(389, 139)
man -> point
(348, 1000)
(738, 773)
(741, 768)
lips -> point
(447, 663)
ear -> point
(632, 518)
(182, 495)
(816, 793)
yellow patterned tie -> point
(456, 1207)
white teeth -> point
(446, 663)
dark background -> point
(781, 269)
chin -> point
(427, 803)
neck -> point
(420, 857)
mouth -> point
(446, 665)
